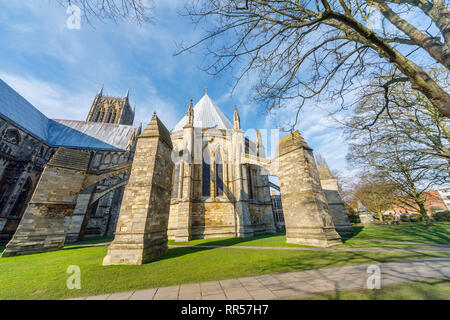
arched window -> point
(113, 118)
(22, 200)
(176, 180)
(206, 174)
(102, 116)
(109, 117)
(219, 175)
(250, 182)
(98, 116)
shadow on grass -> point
(93, 242)
(407, 231)
(234, 241)
(419, 290)
(316, 260)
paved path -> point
(417, 250)
(291, 285)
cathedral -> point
(29, 140)
(64, 180)
(210, 185)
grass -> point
(435, 289)
(417, 232)
(43, 276)
(279, 240)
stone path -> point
(291, 285)
(417, 250)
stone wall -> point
(22, 158)
(42, 226)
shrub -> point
(413, 219)
(442, 216)
(404, 218)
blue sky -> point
(60, 70)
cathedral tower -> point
(111, 109)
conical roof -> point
(206, 115)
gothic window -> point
(219, 175)
(102, 116)
(113, 118)
(109, 117)
(250, 183)
(22, 200)
(247, 146)
(206, 174)
(94, 208)
(115, 159)
(176, 180)
(97, 118)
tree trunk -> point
(423, 213)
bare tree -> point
(399, 113)
(303, 49)
(405, 146)
(136, 11)
(375, 193)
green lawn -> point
(417, 232)
(43, 276)
(435, 289)
(414, 232)
(279, 240)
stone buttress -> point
(141, 233)
(304, 203)
(42, 226)
(336, 207)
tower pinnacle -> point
(190, 115)
(236, 119)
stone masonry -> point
(42, 226)
(141, 233)
(336, 207)
(304, 203)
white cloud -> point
(51, 99)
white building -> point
(444, 192)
